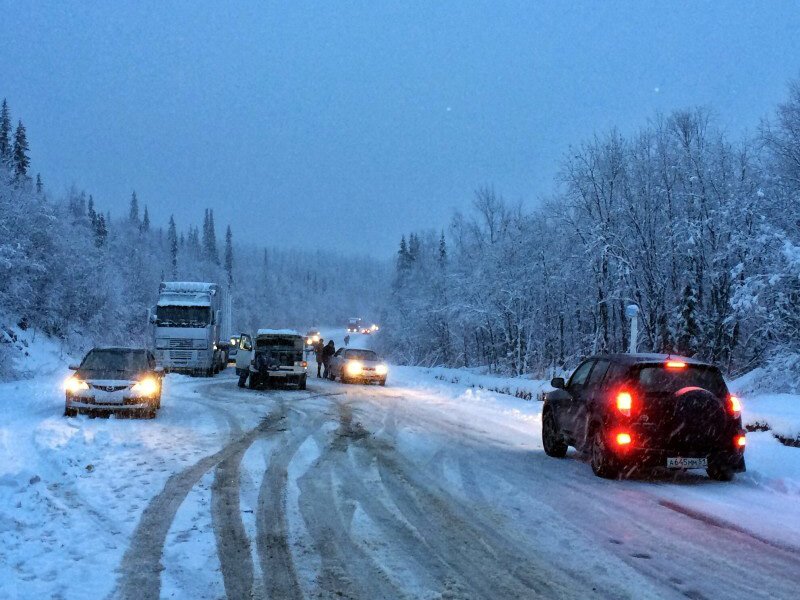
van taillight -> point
(734, 406)
(624, 403)
(740, 441)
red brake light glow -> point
(740, 441)
(675, 364)
(624, 403)
(734, 405)
(623, 439)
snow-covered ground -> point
(429, 488)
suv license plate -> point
(687, 463)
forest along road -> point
(367, 492)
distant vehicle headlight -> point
(74, 385)
(381, 369)
(309, 341)
(354, 367)
(146, 387)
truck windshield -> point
(183, 316)
(665, 380)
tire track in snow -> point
(347, 571)
(140, 571)
(272, 533)
(140, 568)
(233, 545)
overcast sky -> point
(346, 124)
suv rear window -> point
(659, 378)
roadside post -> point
(632, 312)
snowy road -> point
(417, 490)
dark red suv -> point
(642, 411)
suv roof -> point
(646, 357)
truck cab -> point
(271, 356)
(188, 320)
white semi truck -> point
(190, 319)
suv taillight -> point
(734, 406)
(624, 403)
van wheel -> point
(254, 382)
(603, 463)
(719, 472)
(552, 441)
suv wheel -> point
(719, 472)
(70, 412)
(302, 384)
(253, 383)
(603, 464)
(552, 441)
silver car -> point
(358, 365)
(119, 380)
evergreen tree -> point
(229, 256)
(442, 250)
(133, 211)
(39, 185)
(193, 242)
(20, 158)
(413, 247)
(100, 231)
(5, 133)
(210, 238)
(145, 220)
(403, 258)
(91, 212)
(172, 238)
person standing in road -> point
(327, 354)
(347, 340)
(318, 350)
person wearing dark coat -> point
(318, 349)
(327, 354)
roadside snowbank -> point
(767, 411)
(523, 388)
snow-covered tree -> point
(19, 158)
